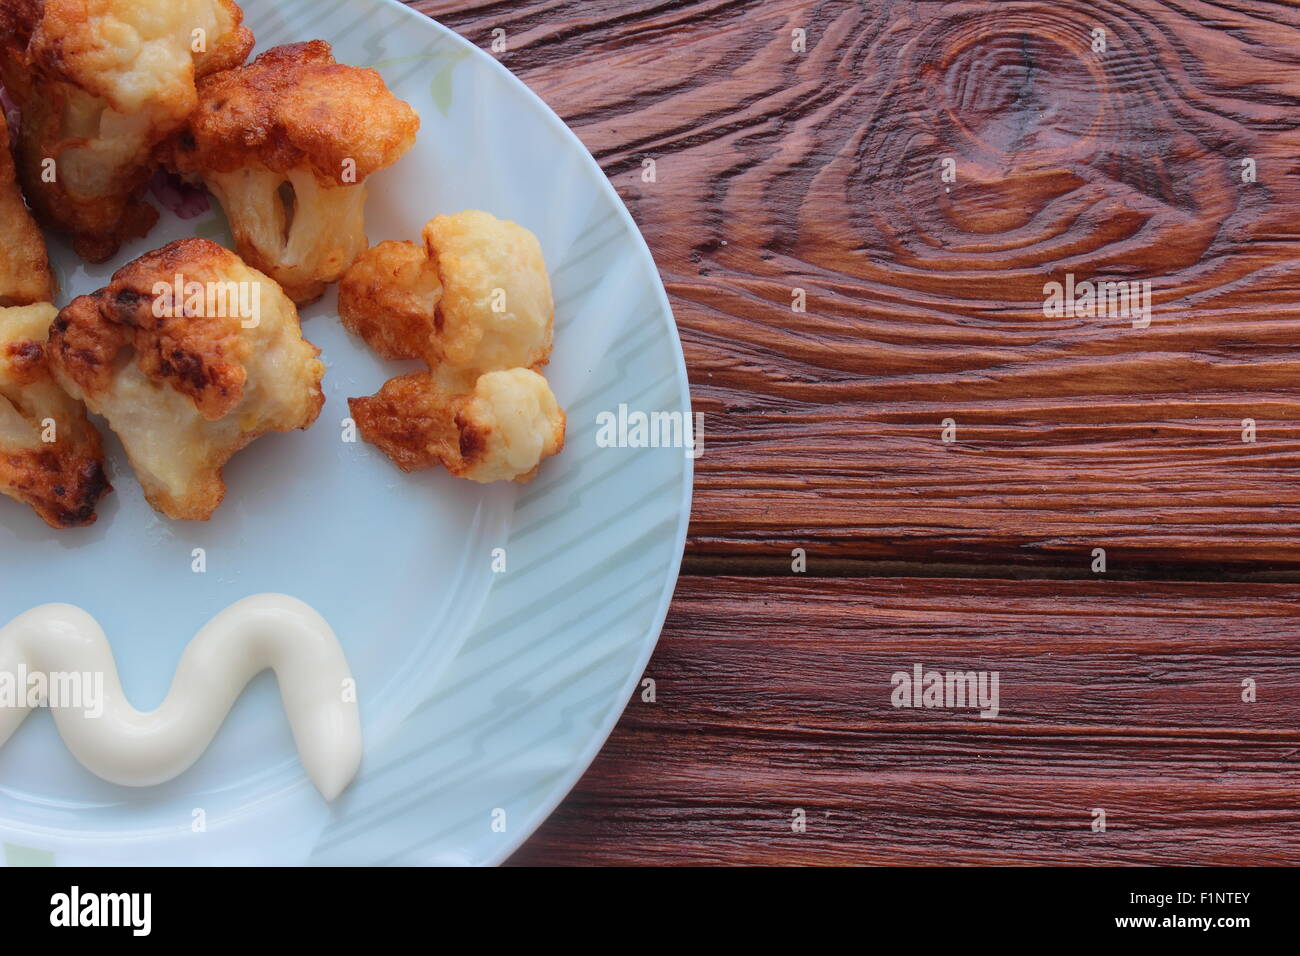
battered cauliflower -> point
(286, 144)
(507, 425)
(50, 454)
(475, 304)
(499, 430)
(24, 268)
(476, 297)
(389, 297)
(188, 379)
(100, 84)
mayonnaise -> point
(127, 747)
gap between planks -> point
(778, 566)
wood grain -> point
(778, 170)
(773, 695)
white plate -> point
(483, 695)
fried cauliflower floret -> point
(24, 268)
(188, 379)
(412, 419)
(100, 84)
(286, 143)
(50, 453)
(477, 295)
(389, 297)
(475, 304)
(507, 426)
(496, 305)
(499, 429)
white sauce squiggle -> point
(127, 747)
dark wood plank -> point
(820, 171)
(773, 695)
(779, 170)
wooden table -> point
(952, 459)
